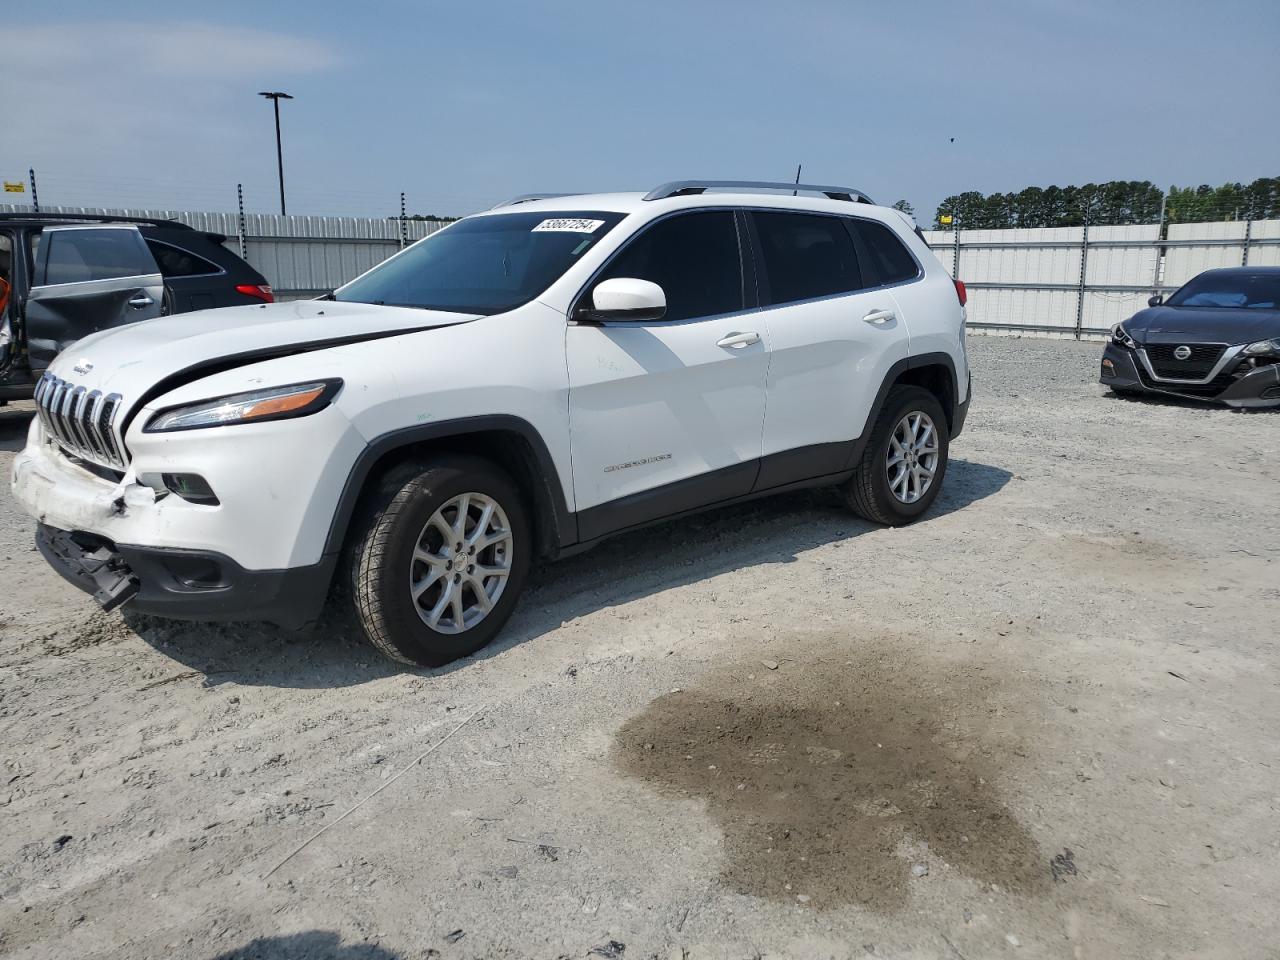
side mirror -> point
(1156, 300)
(625, 298)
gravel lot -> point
(1042, 723)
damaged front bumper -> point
(1257, 388)
(124, 542)
(184, 584)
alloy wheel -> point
(461, 563)
(912, 457)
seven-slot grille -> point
(81, 421)
(1204, 356)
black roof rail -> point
(95, 218)
(684, 188)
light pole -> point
(275, 97)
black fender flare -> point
(547, 490)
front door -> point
(88, 278)
(666, 415)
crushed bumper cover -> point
(184, 584)
(1261, 388)
(89, 564)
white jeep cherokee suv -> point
(517, 386)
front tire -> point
(904, 462)
(439, 560)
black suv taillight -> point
(260, 291)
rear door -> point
(88, 278)
(833, 336)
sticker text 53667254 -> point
(569, 225)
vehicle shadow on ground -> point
(14, 424)
(626, 568)
(1188, 403)
(311, 945)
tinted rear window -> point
(806, 256)
(693, 257)
(890, 259)
(176, 262)
(75, 256)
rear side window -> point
(176, 262)
(693, 257)
(806, 256)
(891, 261)
(75, 256)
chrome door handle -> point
(738, 340)
(879, 317)
(140, 301)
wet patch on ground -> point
(837, 780)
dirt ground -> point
(1041, 723)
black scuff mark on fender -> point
(208, 368)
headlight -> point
(1263, 348)
(1120, 337)
(276, 403)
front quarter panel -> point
(281, 482)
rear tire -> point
(904, 462)
(439, 559)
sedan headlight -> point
(1263, 348)
(274, 403)
(1120, 337)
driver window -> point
(693, 257)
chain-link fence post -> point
(1084, 264)
(955, 253)
(244, 253)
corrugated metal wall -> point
(1018, 280)
(1031, 280)
(299, 256)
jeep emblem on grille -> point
(1182, 353)
(83, 367)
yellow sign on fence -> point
(945, 219)
(11, 187)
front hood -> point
(1203, 325)
(131, 360)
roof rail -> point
(683, 188)
(530, 197)
(96, 218)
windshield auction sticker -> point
(569, 225)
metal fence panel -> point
(1184, 262)
(299, 255)
(1267, 252)
(1048, 281)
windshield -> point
(485, 264)
(1257, 291)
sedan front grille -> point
(82, 422)
(1204, 357)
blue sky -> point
(461, 104)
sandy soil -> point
(1041, 723)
